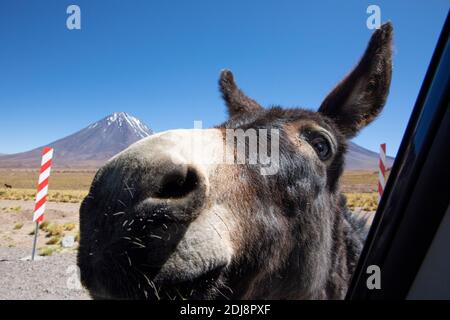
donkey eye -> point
(322, 147)
(320, 144)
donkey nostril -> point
(177, 184)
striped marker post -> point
(382, 171)
(42, 190)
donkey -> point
(159, 223)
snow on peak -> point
(117, 116)
(139, 128)
(122, 118)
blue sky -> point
(160, 61)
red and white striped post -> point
(42, 190)
(382, 171)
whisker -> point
(170, 298)
(221, 293)
(129, 260)
(218, 215)
(215, 230)
(182, 298)
(138, 244)
(150, 283)
(129, 190)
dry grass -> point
(47, 250)
(54, 240)
(72, 186)
(68, 226)
(59, 179)
(43, 225)
(12, 209)
(359, 177)
(360, 181)
(365, 201)
(64, 185)
(54, 229)
(18, 226)
(72, 196)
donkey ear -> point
(358, 99)
(237, 102)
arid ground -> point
(54, 275)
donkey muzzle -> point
(145, 219)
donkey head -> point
(160, 221)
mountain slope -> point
(87, 148)
(359, 158)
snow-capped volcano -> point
(125, 121)
(88, 148)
